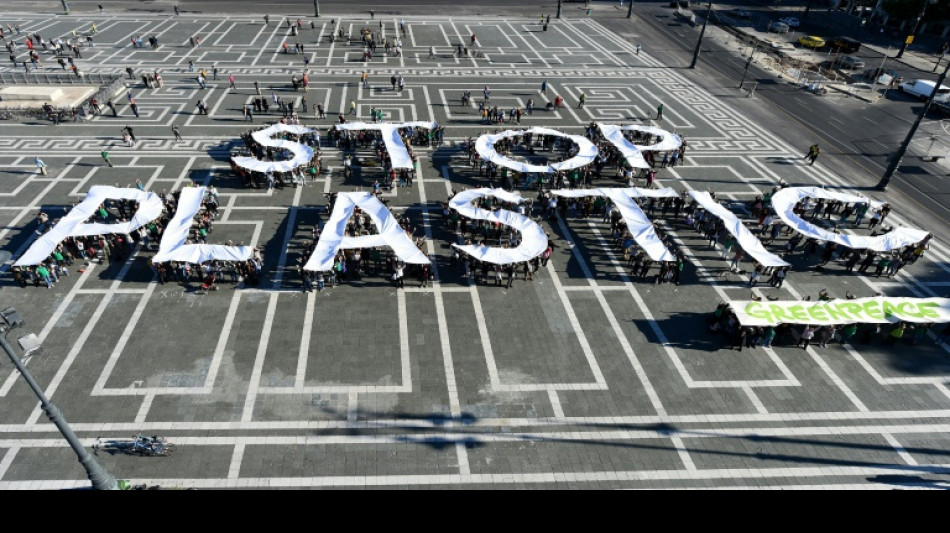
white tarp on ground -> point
(633, 153)
(784, 203)
(745, 239)
(73, 224)
(639, 225)
(391, 138)
(390, 233)
(302, 154)
(173, 247)
(533, 239)
(485, 146)
(879, 310)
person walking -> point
(40, 166)
(659, 112)
(638, 48)
(812, 154)
(581, 101)
(544, 87)
(177, 132)
(231, 82)
(105, 157)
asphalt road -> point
(857, 138)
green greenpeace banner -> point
(881, 310)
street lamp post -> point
(899, 156)
(316, 8)
(559, 9)
(702, 33)
(100, 478)
(913, 33)
(747, 64)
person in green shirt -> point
(43, 273)
(896, 334)
(848, 333)
(105, 157)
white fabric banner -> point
(784, 203)
(391, 234)
(73, 224)
(639, 225)
(302, 154)
(749, 242)
(633, 153)
(485, 146)
(391, 138)
(880, 310)
(533, 239)
(173, 247)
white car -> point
(923, 89)
(792, 22)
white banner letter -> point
(533, 239)
(334, 236)
(74, 223)
(173, 247)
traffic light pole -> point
(913, 33)
(899, 156)
(702, 33)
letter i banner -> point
(879, 310)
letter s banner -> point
(302, 154)
(784, 203)
(533, 239)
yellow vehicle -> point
(812, 42)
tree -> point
(909, 9)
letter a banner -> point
(880, 310)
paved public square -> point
(583, 378)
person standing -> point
(544, 87)
(806, 337)
(40, 166)
(638, 48)
(659, 112)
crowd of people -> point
(117, 248)
(354, 264)
(277, 180)
(723, 322)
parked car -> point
(943, 109)
(849, 62)
(845, 45)
(924, 88)
(792, 22)
(740, 13)
(811, 41)
(778, 27)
